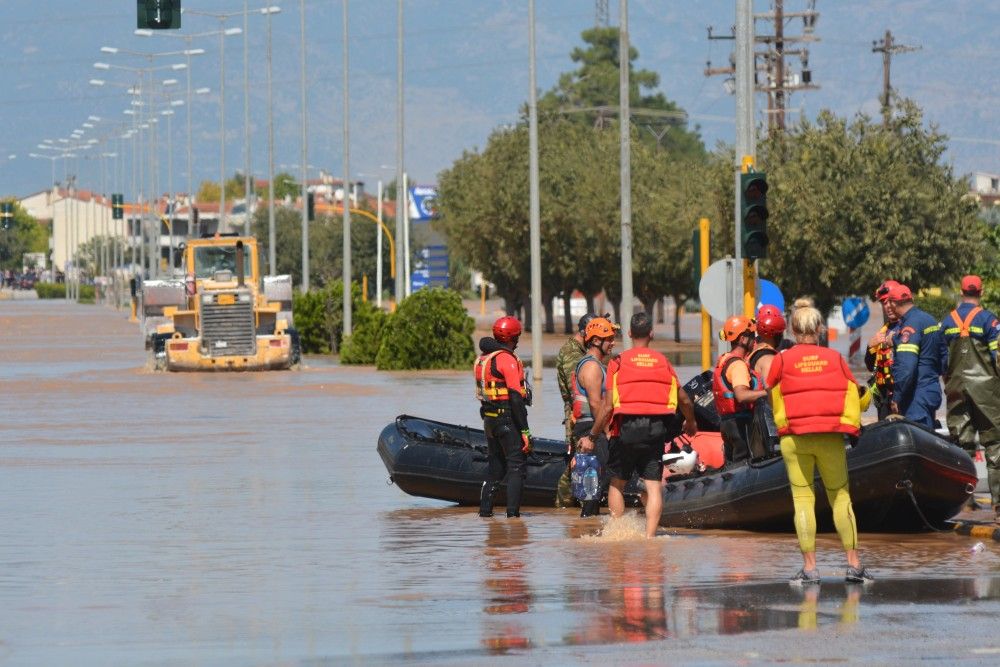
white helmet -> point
(681, 463)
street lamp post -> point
(346, 196)
(271, 234)
(305, 161)
(400, 192)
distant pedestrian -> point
(644, 395)
(971, 380)
(503, 397)
(816, 402)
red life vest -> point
(643, 383)
(725, 398)
(814, 392)
(490, 383)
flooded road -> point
(245, 519)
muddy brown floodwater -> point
(245, 519)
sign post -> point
(856, 314)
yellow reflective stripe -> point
(908, 347)
(932, 328)
(951, 330)
(993, 345)
(977, 330)
(616, 401)
(672, 401)
(778, 406)
(851, 413)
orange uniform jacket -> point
(813, 391)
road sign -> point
(770, 295)
(715, 289)
(855, 312)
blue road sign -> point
(855, 312)
(770, 295)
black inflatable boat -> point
(903, 478)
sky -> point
(466, 72)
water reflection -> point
(507, 591)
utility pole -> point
(400, 287)
(771, 73)
(887, 47)
(346, 220)
(602, 17)
(625, 163)
(535, 236)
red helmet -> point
(770, 321)
(506, 329)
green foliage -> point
(58, 291)
(362, 346)
(429, 330)
(937, 305)
(89, 253)
(594, 84)
(24, 235)
(209, 191)
(50, 290)
(285, 185)
(989, 269)
(319, 319)
(326, 236)
(853, 203)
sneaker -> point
(859, 575)
(805, 577)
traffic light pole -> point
(745, 139)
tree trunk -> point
(660, 315)
(550, 324)
(678, 309)
(567, 312)
(590, 302)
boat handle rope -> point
(907, 485)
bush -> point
(429, 330)
(51, 290)
(937, 306)
(319, 318)
(87, 294)
(361, 347)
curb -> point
(976, 529)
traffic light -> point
(753, 215)
(7, 213)
(310, 207)
(117, 207)
(194, 229)
(159, 14)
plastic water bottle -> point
(978, 547)
(576, 478)
(591, 483)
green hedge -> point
(51, 290)
(361, 347)
(58, 291)
(429, 330)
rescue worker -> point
(770, 329)
(569, 355)
(736, 387)
(878, 358)
(971, 381)
(644, 394)
(816, 402)
(918, 357)
(503, 396)
(590, 412)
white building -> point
(74, 219)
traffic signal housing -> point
(753, 215)
(7, 213)
(158, 14)
(310, 207)
(117, 207)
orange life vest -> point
(725, 398)
(814, 392)
(643, 383)
(490, 384)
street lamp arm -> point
(366, 214)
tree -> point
(853, 203)
(285, 185)
(208, 191)
(589, 95)
(24, 235)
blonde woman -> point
(816, 403)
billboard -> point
(422, 204)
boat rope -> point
(907, 485)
